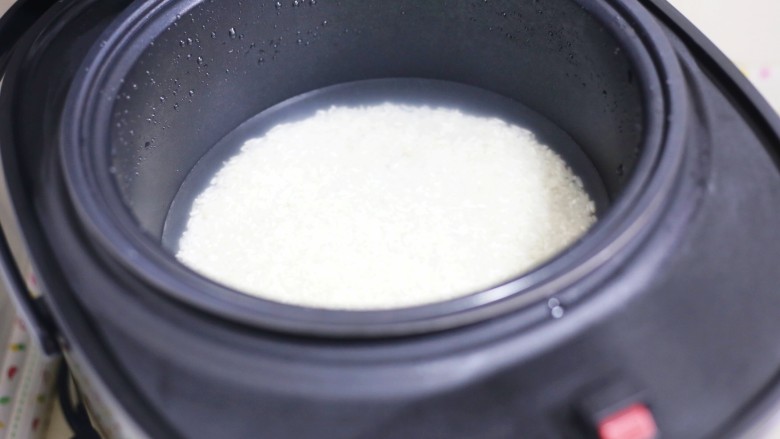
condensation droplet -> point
(556, 309)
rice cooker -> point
(662, 321)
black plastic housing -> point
(682, 307)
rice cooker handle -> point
(15, 22)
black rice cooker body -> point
(684, 322)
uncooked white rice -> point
(382, 207)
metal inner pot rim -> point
(96, 199)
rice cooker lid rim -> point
(122, 240)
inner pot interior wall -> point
(224, 61)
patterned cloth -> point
(25, 385)
(748, 32)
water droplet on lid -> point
(240, 36)
(189, 41)
(191, 92)
(299, 41)
(312, 2)
(199, 60)
(181, 43)
(556, 309)
(213, 35)
(135, 86)
(324, 22)
(162, 98)
(296, 3)
(278, 5)
(176, 107)
(232, 32)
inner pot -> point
(173, 78)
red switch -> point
(633, 422)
